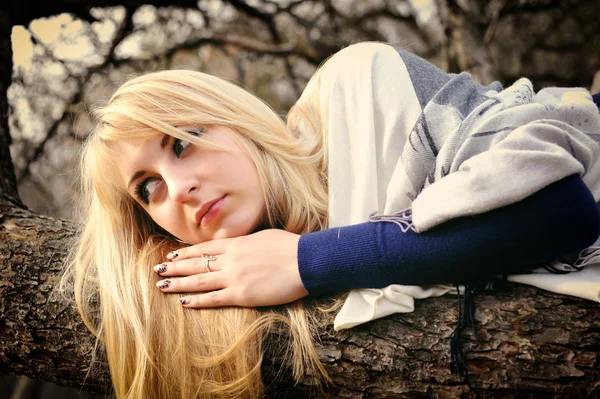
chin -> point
(240, 229)
(230, 234)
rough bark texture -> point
(466, 41)
(533, 343)
(41, 335)
(8, 183)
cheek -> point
(257, 199)
(251, 179)
(167, 219)
(237, 170)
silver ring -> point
(208, 258)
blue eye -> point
(180, 145)
(145, 189)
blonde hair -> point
(155, 348)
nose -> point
(181, 188)
(182, 194)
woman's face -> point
(196, 194)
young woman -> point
(389, 171)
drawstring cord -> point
(466, 302)
(466, 318)
(402, 219)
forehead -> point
(135, 155)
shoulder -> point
(365, 48)
(356, 72)
(360, 64)
(364, 53)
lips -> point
(208, 210)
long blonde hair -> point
(155, 348)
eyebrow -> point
(140, 173)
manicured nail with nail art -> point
(184, 300)
(173, 255)
(160, 268)
(163, 284)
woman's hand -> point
(259, 269)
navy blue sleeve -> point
(560, 219)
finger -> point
(214, 247)
(188, 267)
(211, 299)
(196, 283)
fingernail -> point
(160, 268)
(163, 284)
(172, 255)
(184, 301)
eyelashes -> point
(180, 145)
(141, 192)
(144, 190)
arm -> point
(274, 267)
(555, 221)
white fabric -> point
(583, 284)
(374, 303)
(371, 106)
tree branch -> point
(8, 182)
(531, 340)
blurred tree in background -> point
(66, 63)
(71, 55)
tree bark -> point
(533, 342)
(8, 182)
(41, 334)
(468, 52)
